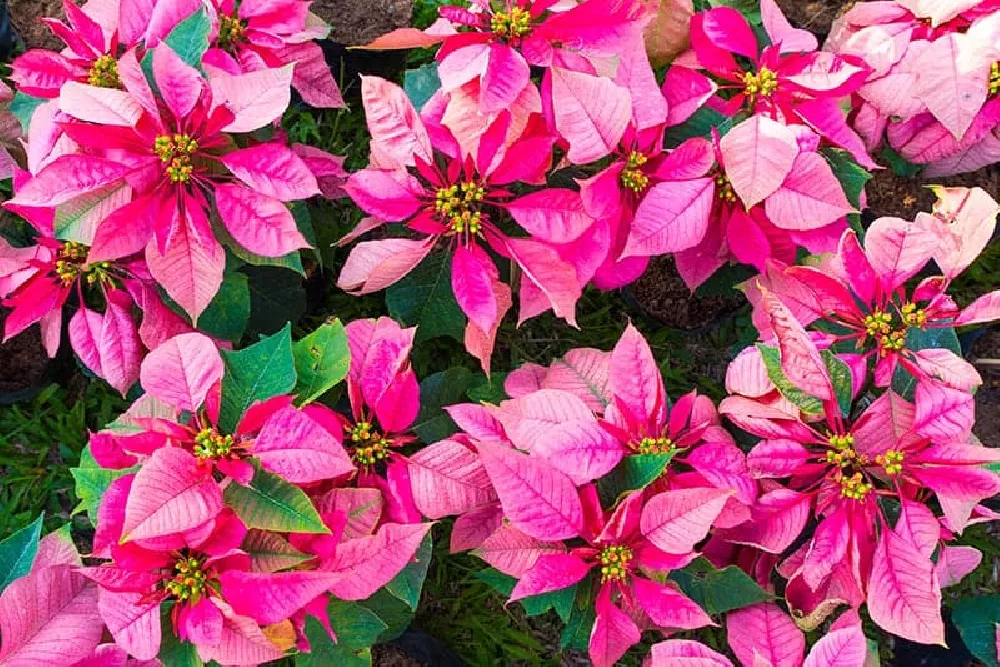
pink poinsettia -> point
(175, 151)
(770, 193)
(862, 290)
(261, 34)
(840, 467)
(915, 50)
(183, 374)
(460, 205)
(764, 635)
(789, 81)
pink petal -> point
(942, 412)
(846, 646)
(668, 607)
(591, 113)
(182, 370)
(759, 154)
(672, 217)
(551, 572)
(765, 630)
(506, 75)
(685, 90)
(800, 360)
(273, 597)
(170, 494)
(256, 99)
(674, 521)
(983, 310)
(473, 285)
(614, 632)
(546, 270)
(778, 519)
(99, 105)
(898, 249)
(514, 553)
(374, 265)
(133, 620)
(273, 170)
(904, 596)
(299, 449)
(635, 379)
(258, 222)
(180, 84)
(555, 215)
(782, 33)
(398, 134)
(119, 346)
(777, 458)
(447, 478)
(811, 197)
(685, 653)
(368, 563)
(189, 271)
(954, 563)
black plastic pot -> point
(424, 648)
(9, 39)
(909, 654)
(348, 64)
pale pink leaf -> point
(591, 113)
(766, 631)
(758, 155)
(299, 449)
(370, 562)
(675, 521)
(447, 478)
(182, 370)
(904, 596)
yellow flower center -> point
(231, 30)
(104, 73)
(724, 189)
(913, 316)
(632, 176)
(654, 446)
(854, 486)
(71, 264)
(459, 206)
(175, 152)
(878, 322)
(190, 582)
(994, 79)
(763, 83)
(515, 23)
(209, 444)
(614, 562)
(370, 446)
(891, 461)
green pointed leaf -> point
(903, 382)
(772, 361)
(842, 380)
(17, 553)
(488, 389)
(424, 299)
(227, 315)
(173, 651)
(270, 503)
(900, 165)
(421, 84)
(92, 481)
(277, 296)
(408, 584)
(852, 176)
(356, 626)
(576, 634)
(322, 360)
(70, 218)
(324, 652)
(23, 107)
(256, 373)
(270, 552)
(977, 619)
(718, 591)
(189, 38)
(700, 124)
(535, 605)
(392, 611)
(437, 391)
(633, 473)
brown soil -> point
(390, 656)
(892, 195)
(22, 361)
(986, 358)
(813, 15)
(357, 22)
(26, 13)
(663, 295)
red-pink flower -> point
(789, 81)
(459, 204)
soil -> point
(663, 295)
(23, 362)
(384, 655)
(892, 195)
(25, 14)
(355, 23)
(814, 15)
(986, 358)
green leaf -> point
(292, 261)
(17, 552)
(633, 473)
(488, 389)
(174, 652)
(271, 552)
(392, 611)
(189, 38)
(23, 107)
(92, 481)
(700, 124)
(227, 315)
(852, 176)
(424, 299)
(437, 391)
(842, 379)
(71, 218)
(576, 634)
(873, 659)
(408, 584)
(976, 620)
(259, 372)
(903, 382)
(323, 651)
(718, 591)
(899, 164)
(772, 361)
(355, 626)
(535, 605)
(276, 297)
(322, 360)
(421, 84)
(270, 503)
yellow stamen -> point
(231, 31)
(724, 189)
(891, 461)
(763, 83)
(513, 24)
(614, 563)
(459, 206)
(370, 446)
(995, 79)
(209, 444)
(632, 176)
(104, 73)
(654, 446)
(175, 152)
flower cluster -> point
(916, 51)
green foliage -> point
(633, 473)
(92, 481)
(408, 584)
(772, 361)
(17, 553)
(976, 620)
(424, 299)
(356, 628)
(276, 297)
(842, 380)
(436, 392)
(270, 503)
(23, 107)
(560, 601)
(227, 315)
(421, 84)
(322, 360)
(852, 176)
(256, 373)
(718, 591)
